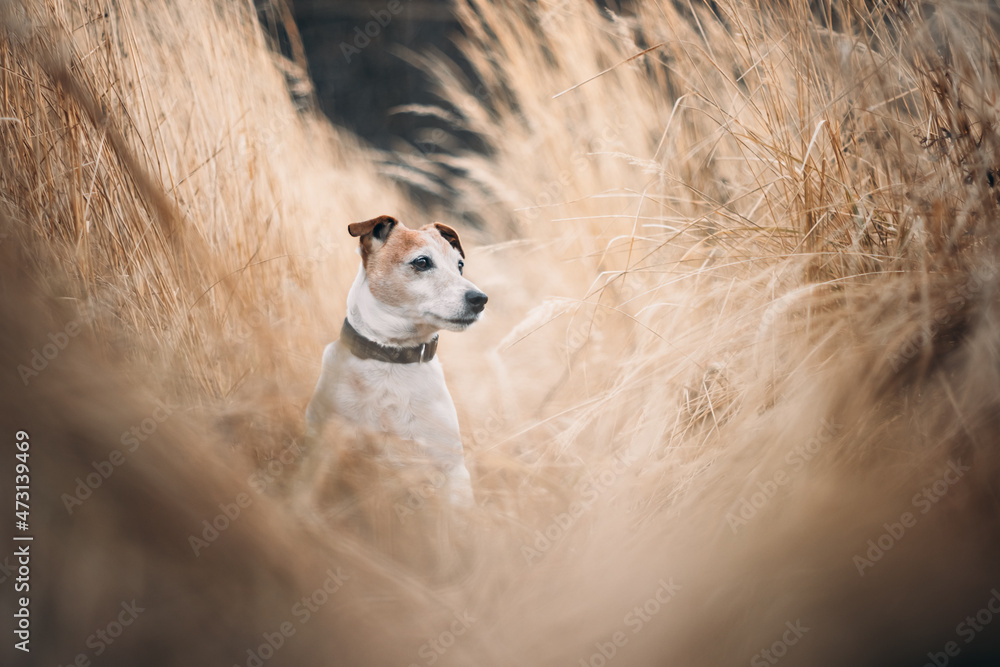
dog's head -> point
(418, 272)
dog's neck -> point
(380, 323)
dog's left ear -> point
(451, 236)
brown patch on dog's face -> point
(388, 269)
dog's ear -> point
(451, 236)
(376, 230)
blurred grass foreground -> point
(736, 399)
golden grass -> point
(764, 250)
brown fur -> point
(388, 282)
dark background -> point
(360, 91)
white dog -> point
(383, 373)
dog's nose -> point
(476, 300)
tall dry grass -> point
(743, 313)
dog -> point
(383, 373)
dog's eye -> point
(461, 265)
(422, 263)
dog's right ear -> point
(378, 228)
(374, 231)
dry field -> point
(736, 399)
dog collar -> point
(362, 348)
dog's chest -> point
(408, 400)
